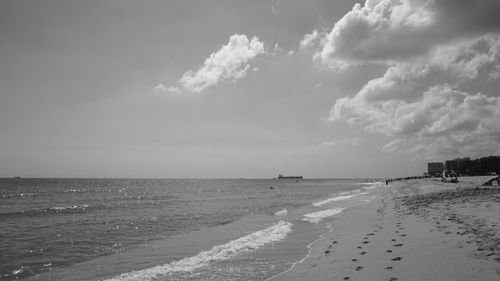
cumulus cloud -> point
(230, 62)
(423, 101)
(431, 49)
(435, 120)
(161, 88)
(310, 40)
(397, 30)
(438, 111)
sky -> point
(230, 89)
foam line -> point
(226, 251)
(371, 185)
(309, 251)
(282, 212)
(318, 216)
(338, 198)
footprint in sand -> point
(392, 279)
(362, 253)
(354, 260)
(358, 268)
(389, 268)
(393, 240)
(397, 259)
(398, 245)
(347, 278)
(389, 251)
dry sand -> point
(413, 230)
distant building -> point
(461, 166)
(466, 167)
(435, 168)
(451, 165)
(486, 165)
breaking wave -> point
(337, 198)
(371, 185)
(282, 212)
(226, 251)
(50, 210)
(318, 216)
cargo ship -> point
(280, 176)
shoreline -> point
(418, 229)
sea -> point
(166, 229)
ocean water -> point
(165, 229)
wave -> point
(371, 185)
(21, 195)
(282, 212)
(226, 251)
(318, 216)
(50, 210)
(67, 208)
(337, 198)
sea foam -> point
(371, 185)
(318, 216)
(337, 198)
(226, 251)
(282, 212)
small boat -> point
(280, 176)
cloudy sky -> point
(226, 88)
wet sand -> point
(412, 230)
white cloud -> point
(495, 73)
(310, 40)
(160, 87)
(431, 49)
(464, 59)
(394, 31)
(403, 99)
(441, 116)
(231, 62)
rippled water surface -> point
(57, 229)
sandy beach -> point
(411, 230)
